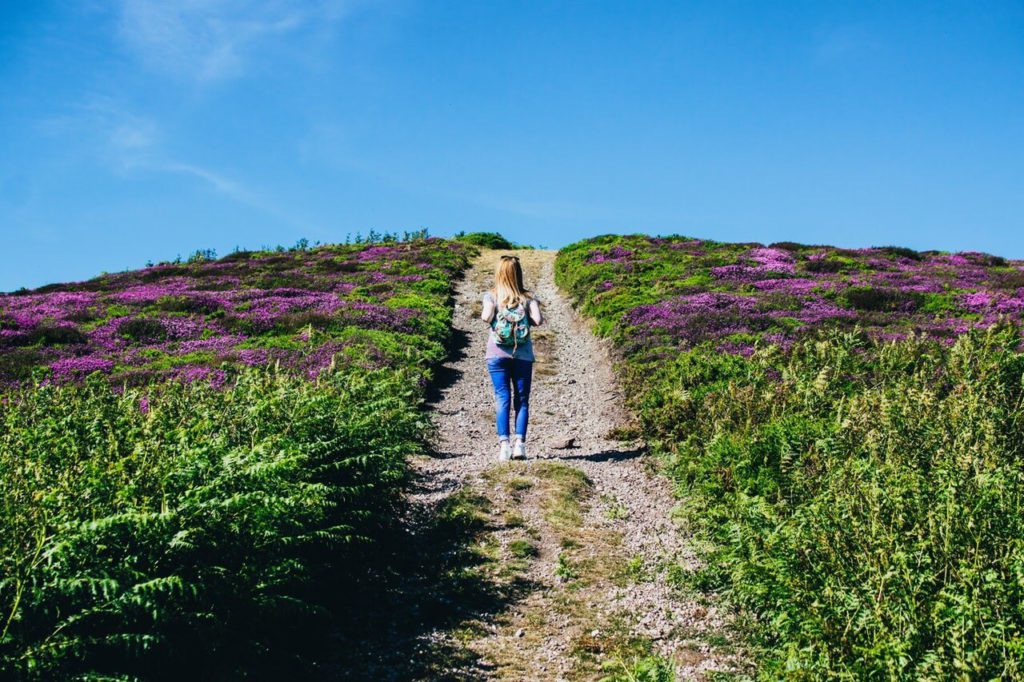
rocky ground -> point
(565, 566)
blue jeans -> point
(506, 372)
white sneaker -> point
(505, 453)
(519, 450)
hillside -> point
(782, 461)
(202, 464)
(679, 292)
(301, 308)
(845, 429)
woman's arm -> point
(488, 310)
(533, 310)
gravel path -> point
(628, 515)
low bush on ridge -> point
(488, 240)
(864, 495)
(217, 525)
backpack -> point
(511, 326)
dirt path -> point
(571, 554)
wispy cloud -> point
(104, 128)
(328, 145)
(838, 42)
(216, 181)
(129, 144)
(154, 161)
(211, 40)
(228, 187)
(134, 135)
(541, 209)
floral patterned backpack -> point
(511, 326)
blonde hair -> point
(508, 283)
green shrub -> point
(143, 330)
(183, 531)
(639, 669)
(826, 265)
(881, 299)
(18, 364)
(868, 505)
(488, 240)
(901, 252)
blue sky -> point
(141, 129)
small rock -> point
(520, 632)
(563, 443)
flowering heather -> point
(675, 292)
(75, 368)
(616, 254)
(772, 260)
(845, 429)
(195, 321)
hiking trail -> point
(559, 567)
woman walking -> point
(511, 311)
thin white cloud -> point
(133, 135)
(103, 128)
(328, 144)
(212, 40)
(220, 183)
(228, 187)
(130, 144)
(541, 209)
(231, 188)
(834, 43)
